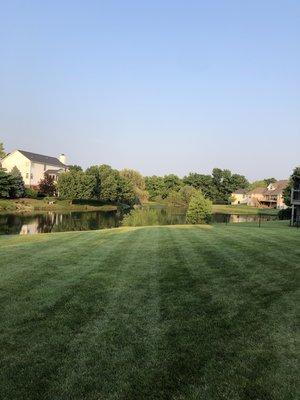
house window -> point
(31, 176)
(27, 175)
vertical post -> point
(293, 213)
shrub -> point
(199, 210)
(7, 205)
(31, 193)
(141, 217)
(285, 214)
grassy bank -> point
(226, 209)
(176, 312)
(32, 205)
(242, 210)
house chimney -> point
(62, 158)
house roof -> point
(258, 190)
(240, 191)
(41, 159)
(279, 186)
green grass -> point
(32, 205)
(182, 312)
(242, 209)
(7, 205)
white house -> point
(34, 167)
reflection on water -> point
(235, 218)
(58, 222)
(25, 224)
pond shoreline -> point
(46, 221)
(29, 206)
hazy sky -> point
(157, 85)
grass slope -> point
(31, 205)
(150, 313)
(242, 209)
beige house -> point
(270, 197)
(34, 167)
(273, 196)
(240, 196)
(256, 196)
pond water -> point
(46, 222)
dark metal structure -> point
(295, 202)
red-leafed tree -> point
(47, 186)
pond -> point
(46, 222)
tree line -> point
(109, 185)
(216, 186)
(106, 184)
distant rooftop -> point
(240, 191)
(41, 159)
(279, 186)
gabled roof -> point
(279, 186)
(240, 191)
(258, 190)
(41, 159)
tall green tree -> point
(137, 181)
(11, 184)
(5, 184)
(181, 198)
(109, 183)
(75, 168)
(126, 193)
(269, 180)
(262, 183)
(110, 186)
(94, 171)
(155, 186)
(76, 185)
(201, 182)
(17, 188)
(171, 183)
(225, 183)
(2, 151)
(287, 191)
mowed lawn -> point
(150, 313)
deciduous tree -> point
(47, 186)
(76, 185)
(138, 183)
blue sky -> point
(159, 86)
